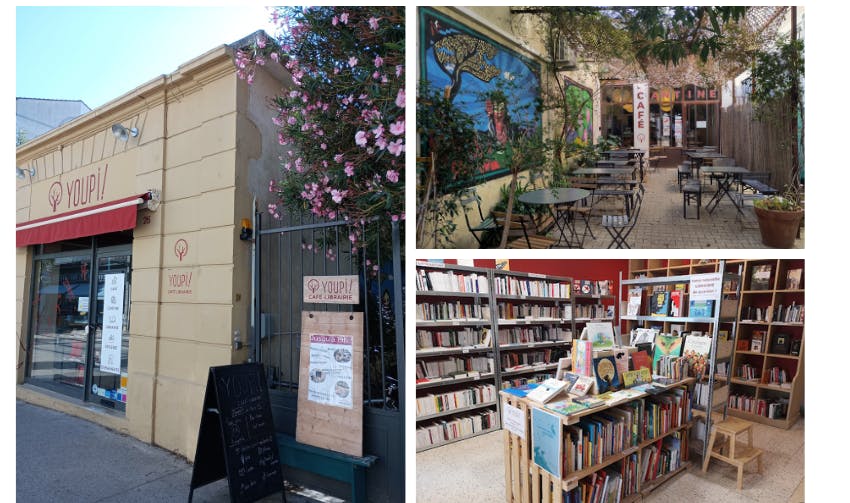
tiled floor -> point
(661, 224)
(473, 470)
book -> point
(605, 370)
(793, 279)
(641, 360)
(659, 304)
(547, 390)
(586, 287)
(621, 358)
(757, 341)
(520, 391)
(604, 287)
(795, 347)
(676, 297)
(566, 407)
(760, 278)
(582, 386)
(697, 350)
(601, 335)
(590, 401)
(633, 378)
(665, 345)
(701, 308)
(583, 358)
(642, 335)
(563, 365)
(635, 297)
(780, 344)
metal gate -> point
(284, 253)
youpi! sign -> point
(332, 289)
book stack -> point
(442, 402)
(513, 311)
(440, 432)
(517, 360)
(778, 377)
(526, 335)
(788, 314)
(432, 311)
(589, 312)
(593, 288)
(528, 287)
(748, 372)
(451, 281)
(426, 339)
(674, 367)
(446, 367)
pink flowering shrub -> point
(341, 126)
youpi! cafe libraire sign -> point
(332, 289)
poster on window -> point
(331, 370)
(113, 323)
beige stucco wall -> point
(197, 143)
(523, 34)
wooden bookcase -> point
(456, 380)
(525, 481)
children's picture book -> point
(665, 345)
(566, 407)
(604, 287)
(659, 304)
(633, 378)
(621, 358)
(605, 370)
(601, 335)
(583, 358)
(563, 365)
(546, 440)
(760, 278)
(547, 390)
(676, 297)
(521, 391)
(590, 401)
(641, 360)
(582, 386)
(757, 341)
(697, 350)
(701, 308)
(586, 287)
(635, 297)
(793, 279)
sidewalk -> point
(62, 458)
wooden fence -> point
(759, 145)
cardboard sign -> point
(236, 438)
(332, 289)
(330, 394)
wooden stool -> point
(729, 450)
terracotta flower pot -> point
(779, 228)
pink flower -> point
(352, 61)
(271, 185)
(337, 195)
(378, 131)
(360, 138)
(395, 218)
(398, 70)
(392, 176)
(323, 146)
(349, 168)
(379, 61)
(381, 143)
(400, 98)
(335, 20)
(373, 23)
(274, 57)
(338, 158)
(396, 147)
(397, 128)
(343, 18)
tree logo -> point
(54, 195)
(313, 285)
(181, 248)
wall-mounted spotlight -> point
(123, 133)
(22, 173)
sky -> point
(96, 54)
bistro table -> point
(698, 158)
(558, 196)
(727, 176)
(605, 171)
(632, 152)
(620, 163)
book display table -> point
(627, 447)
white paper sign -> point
(513, 420)
(113, 323)
(706, 287)
(331, 370)
(82, 304)
(641, 115)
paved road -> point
(61, 458)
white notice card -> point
(113, 323)
(331, 370)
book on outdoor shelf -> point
(701, 308)
(665, 345)
(760, 278)
(793, 279)
(547, 390)
(659, 304)
(605, 370)
(697, 350)
(676, 297)
(582, 385)
(635, 297)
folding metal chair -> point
(620, 226)
(484, 225)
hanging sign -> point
(113, 323)
(641, 115)
(706, 287)
(513, 419)
(332, 289)
(330, 397)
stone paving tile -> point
(661, 225)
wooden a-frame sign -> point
(237, 438)
(330, 390)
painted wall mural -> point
(491, 83)
(581, 98)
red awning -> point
(114, 216)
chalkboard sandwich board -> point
(236, 438)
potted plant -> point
(779, 217)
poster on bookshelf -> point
(546, 441)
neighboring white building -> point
(35, 116)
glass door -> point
(110, 326)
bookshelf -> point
(593, 301)
(767, 378)
(534, 326)
(686, 278)
(628, 441)
(456, 381)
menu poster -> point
(113, 323)
(331, 370)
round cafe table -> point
(565, 197)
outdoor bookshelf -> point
(526, 481)
(676, 274)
